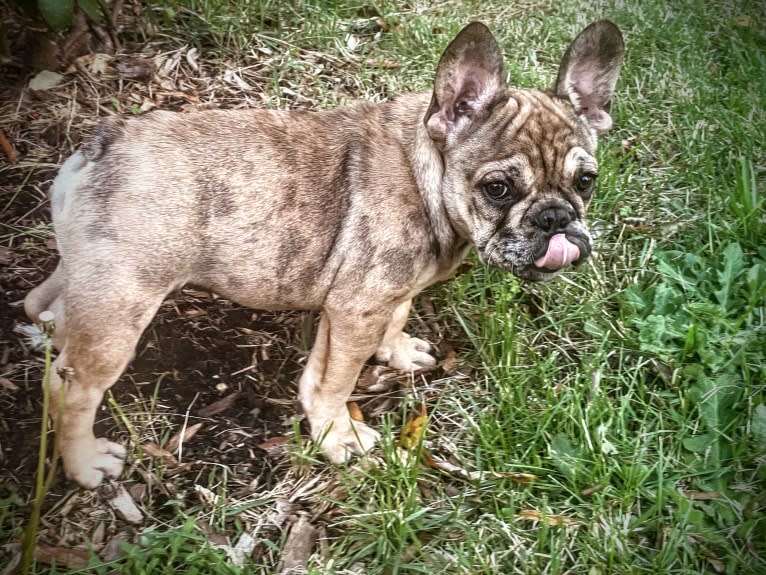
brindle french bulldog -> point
(352, 211)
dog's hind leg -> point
(42, 297)
(100, 341)
(49, 296)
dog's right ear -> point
(469, 76)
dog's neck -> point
(427, 164)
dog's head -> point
(519, 165)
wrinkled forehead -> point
(538, 129)
(538, 120)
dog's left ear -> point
(469, 76)
(589, 70)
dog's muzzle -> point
(564, 248)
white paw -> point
(342, 438)
(407, 354)
(88, 463)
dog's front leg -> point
(399, 349)
(343, 343)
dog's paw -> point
(340, 439)
(88, 463)
(407, 353)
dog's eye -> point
(497, 191)
(584, 183)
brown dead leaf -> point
(164, 98)
(120, 500)
(97, 538)
(195, 312)
(449, 363)
(274, 445)
(555, 520)
(135, 68)
(298, 547)
(8, 384)
(518, 477)
(113, 548)
(386, 63)
(477, 476)
(219, 406)
(717, 565)
(354, 412)
(10, 153)
(183, 436)
(69, 557)
(377, 378)
(157, 452)
(413, 430)
(702, 495)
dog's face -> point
(519, 164)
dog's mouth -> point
(561, 251)
(544, 262)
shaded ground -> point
(203, 350)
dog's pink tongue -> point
(561, 252)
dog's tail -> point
(70, 175)
(74, 170)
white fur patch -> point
(72, 173)
(577, 159)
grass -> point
(634, 388)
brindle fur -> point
(352, 211)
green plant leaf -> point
(758, 425)
(733, 264)
(699, 443)
(92, 9)
(57, 13)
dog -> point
(351, 211)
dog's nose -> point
(553, 219)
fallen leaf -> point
(138, 69)
(555, 520)
(69, 557)
(95, 64)
(413, 430)
(191, 58)
(208, 498)
(8, 384)
(98, 534)
(195, 312)
(274, 445)
(519, 477)
(45, 80)
(10, 153)
(298, 547)
(449, 363)
(702, 495)
(717, 565)
(239, 553)
(477, 476)
(354, 412)
(218, 406)
(113, 548)
(155, 451)
(233, 78)
(120, 500)
(377, 378)
(183, 436)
